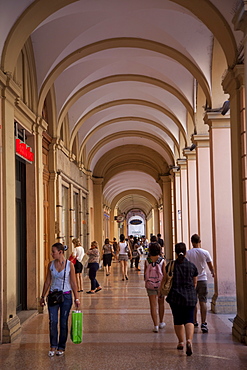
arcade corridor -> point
(119, 113)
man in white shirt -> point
(201, 259)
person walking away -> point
(161, 243)
(182, 297)
(60, 277)
(78, 253)
(201, 258)
(115, 248)
(136, 253)
(93, 265)
(154, 269)
(123, 256)
(107, 252)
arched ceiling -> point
(125, 75)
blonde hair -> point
(95, 244)
(76, 242)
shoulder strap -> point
(64, 274)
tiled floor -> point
(118, 335)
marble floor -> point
(117, 334)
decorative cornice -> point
(201, 140)
(217, 120)
(97, 180)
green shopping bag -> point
(76, 327)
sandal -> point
(180, 346)
(188, 349)
(90, 292)
(97, 290)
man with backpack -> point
(153, 274)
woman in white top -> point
(78, 253)
(123, 256)
(60, 277)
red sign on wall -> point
(24, 151)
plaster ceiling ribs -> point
(125, 79)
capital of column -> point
(40, 126)
(201, 140)
(166, 178)
(217, 120)
(97, 180)
(233, 79)
(189, 154)
(182, 163)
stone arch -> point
(216, 23)
(36, 13)
(121, 119)
(125, 134)
(127, 101)
(122, 42)
(122, 77)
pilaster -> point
(204, 190)
(224, 299)
(234, 84)
(167, 215)
(192, 191)
(98, 209)
(10, 322)
(182, 163)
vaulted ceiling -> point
(126, 75)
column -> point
(182, 163)
(192, 191)
(39, 128)
(204, 190)
(11, 322)
(224, 299)
(234, 83)
(177, 199)
(156, 220)
(98, 209)
(167, 215)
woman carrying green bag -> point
(76, 327)
(60, 282)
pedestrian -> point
(78, 252)
(114, 244)
(161, 243)
(136, 254)
(154, 269)
(93, 265)
(182, 297)
(124, 253)
(60, 278)
(107, 251)
(201, 258)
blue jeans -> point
(93, 268)
(53, 323)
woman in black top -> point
(182, 297)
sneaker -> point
(51, 353)
(196, 324)
(60, 353)
(156, 329)
(204, 327)
(162, 325)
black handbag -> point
(56, 297)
